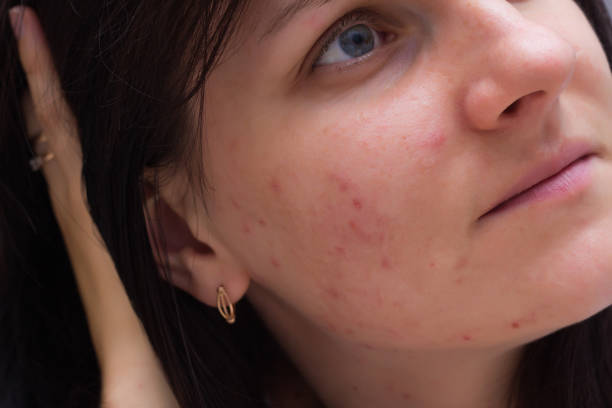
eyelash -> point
(357, 16)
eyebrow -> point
(285, 14)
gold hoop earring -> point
(225, 306)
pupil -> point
(357, 41)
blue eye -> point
(355, 42)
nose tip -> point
(525, 75)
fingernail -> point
(16, 17)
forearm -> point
(121, 344)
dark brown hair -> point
(117, 60)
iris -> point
(357, 41)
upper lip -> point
(545, 169)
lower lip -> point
(569, 181)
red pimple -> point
(459, 281)
(357, 204)
(467, 337)
(262, 222)
(246, 229)
(406, 396)
(385, 263)
(516, 325)
(275, 262)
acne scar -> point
(406, 396)
(246, 229)
(357, 204)
(275, 262)
(516, 325)
(262, 222)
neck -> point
(348, 375)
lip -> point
(544, 178)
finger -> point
(49, 105)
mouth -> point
(563, 175)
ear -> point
(198, 262)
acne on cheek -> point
(362, 223)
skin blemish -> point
(275, 262)
(333, 293)
(357, 204)
(342, 183)
(246, 229)
(275, 186)
(529, 319)
(467, 337)
(369, 237)
(461, 263)
(235, 204)
(459, 281)
(406, 396)
(432, 264)
(262, 222)
(385, 263)
(340, 250)
(435, 141)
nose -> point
(519, 71)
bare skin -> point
(131, 373)
(352, 201)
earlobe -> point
(197, 263)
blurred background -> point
(609, 4)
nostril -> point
(512, 108)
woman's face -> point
(355, 165)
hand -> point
(131, 372)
